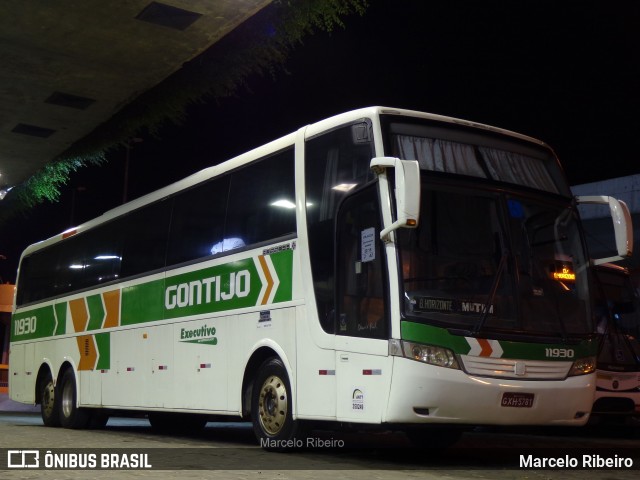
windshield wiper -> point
(492, 294)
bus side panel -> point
(272, 328)
(27, 358)
(160, 365)
(125, 382)
(21, 373)
(316, 375)
(364, 372)
(89, 388)
(200, 362)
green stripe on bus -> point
(537, 351)
(103, 344)
(430, 335)
(61, 315)
(96, 312)
(32, 324)
(142, 303)
(283, 263)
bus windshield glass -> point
(618, 313)
(485, 155)
(494, 251)
(484, 261)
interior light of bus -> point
(439, 356)
(565, 274)
(411, 222)
(107, 257)
(344, 187)
(284, 204)
(583, 366)
(227, 244)
(76, 267)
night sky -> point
(566, 72)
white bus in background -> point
(618, 374)
(382, 267)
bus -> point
(380, 268)
(618, 374)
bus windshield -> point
(618, 313)
(483, 260)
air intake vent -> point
(168, 16)
(68, 100)
(33, 130)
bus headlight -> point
(439, 356)
(583, 366)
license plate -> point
(517, 400)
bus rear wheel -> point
(48, 402)
(70, 415)
(271, 405)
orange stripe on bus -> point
(267, 274)
(88, 352)
(112, 306)
(486, 347)
(79, 314)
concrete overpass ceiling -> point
(67, 66)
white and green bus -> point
(381, 267)
(618, 385)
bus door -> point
(363, 367)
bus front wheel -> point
(49, 402)
(271, 405)
(70, 415)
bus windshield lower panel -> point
(482, 261)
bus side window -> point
(262, 201)
(197, 221)
(335, 162)
(145, 245)
(361, 302)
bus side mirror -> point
(407, 191)
(622, 225)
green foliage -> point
(45, 185)
(258, 46)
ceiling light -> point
(344, 187)
(284, 204)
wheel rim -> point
(48, 399)
(66, 401)
(273, 405)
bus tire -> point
(271, 405)
(70, 415)
(49, 409)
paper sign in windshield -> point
(450, 305)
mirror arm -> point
(407, 191)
